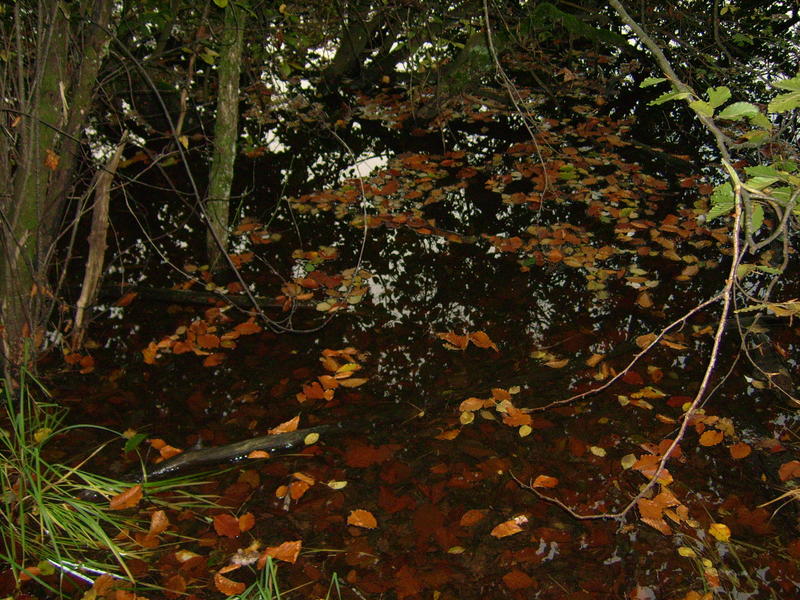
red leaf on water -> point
(127, 499)
(226, 525)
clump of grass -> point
(51, 530)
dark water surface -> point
(537, 311)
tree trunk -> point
(226, 132)
(50, 84)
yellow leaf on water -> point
(720, 531)
(557, 364)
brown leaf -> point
(472, 517)
(127, 499)
(454, 341)
(518, 580)
(226, 525)
(471, 404)
(212, 360)
(362, 518)
(158, 522)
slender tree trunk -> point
(226, 132)
(50, 84)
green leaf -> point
(134, 442)
(703, 108)
(743, 269)
(668, 97)
(738, 110)
(792, 84)
(761, 120)
(757, 136)
(762, 171)
(221, 3)
(770, 270)
(760, 183)
(756, 218)
(784, 102)
(788, 166)
(651, 81)
(721, 201)
(718, 96)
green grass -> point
(48, 527)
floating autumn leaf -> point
(481, 340)
(448, 435)
(352, 382)
(789, 470)
(127, 499)
(471, 404)
(226, 525)
(287, 552)
(286, 426)
(645, 340)
(557, 364)
(228, 586)
(594, 359)
(518, 580)
(454, 341)
(509, 527)
(247, 328)
(213, 360)
(258, 454)
(126, 299)
(651, 513)
(628, 461)
(246, 521)
(297, 489)
(544, 481)
(362, 518)
(472, 517)
(740, 450)
(720, 531)
(158, 522)
(311, 438)
(711, 437)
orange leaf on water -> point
(481, 340)
(789, 470)
(454, 341)
(740, 450)
(451, 434)
(287, 552)
(509, 527)
(544, 481)
(286, 426)
(127, 499)
(362, 518)
(247, 328)
(711, 437)
(471, 404)
(208, 340)
(258, 454)
(297, 489)
(246, 521)
(352, 382)
(213, 360)
(126, 299)
(228, 586)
